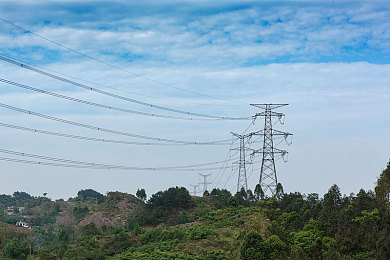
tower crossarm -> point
(242, 136)
(268, 106)
(240, 149)
(275, 150)
(274, 132)
(268, 113)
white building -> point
(22, 224)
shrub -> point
(15, 249)
(200, 232)
(254, 247)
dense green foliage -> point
(15, 249)
(254, 247)
(80, 211)
(219, 225)
(89, 194)
(141, 194)
(164, 206)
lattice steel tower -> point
(205, 181)
(195, 187)
(242, 180)
(268, 178)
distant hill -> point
(174, 225)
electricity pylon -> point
(268, 179)
(242, 180)
(195, 188)
(205, 181)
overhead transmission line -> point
(87, 138)
(94, 168)
(221, 172)
(98, 104)
(111, 65)
(119, 89)
(92, 165)
(22, 65)
(110, 130)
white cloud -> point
(219, 51)
(232, 37)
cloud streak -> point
(230, 35)
(329, 60)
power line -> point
(122, 90)
(110, 130)
(229, 177)
(108, 166)
(220, 172)
(87, 138)
(115, 95)
(90, 167)
(97, 104)
(108, 64)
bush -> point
(90, 230)
(90, 194)
(200, 232)
(165, 205)
(254, 247)
(80, 211)
(277, 248)
(158, 234)
(15, 249)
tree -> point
(164, 204)
(80, 211)
(63, 236)
(141, 194)
(22, 196)
(362, 201)
(6, 200)
(279, 191)
(221, 197)
(173, 198)
(293, 221)
(15, 249)
(259, 193)
(277, 248)
(331, 210)
(251, 197)
(382, 189)
(309, 241)
(90, 194)
(312, 198)
(292, 202)
(242, 196)
(233, 202)
(90, 229)
(254, 247)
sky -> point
(329, 60)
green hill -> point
(174, 225)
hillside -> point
(174, 225)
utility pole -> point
(195, 188)
(205, 180)
(242, 180)
(268, 179)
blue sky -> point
(328, 59)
